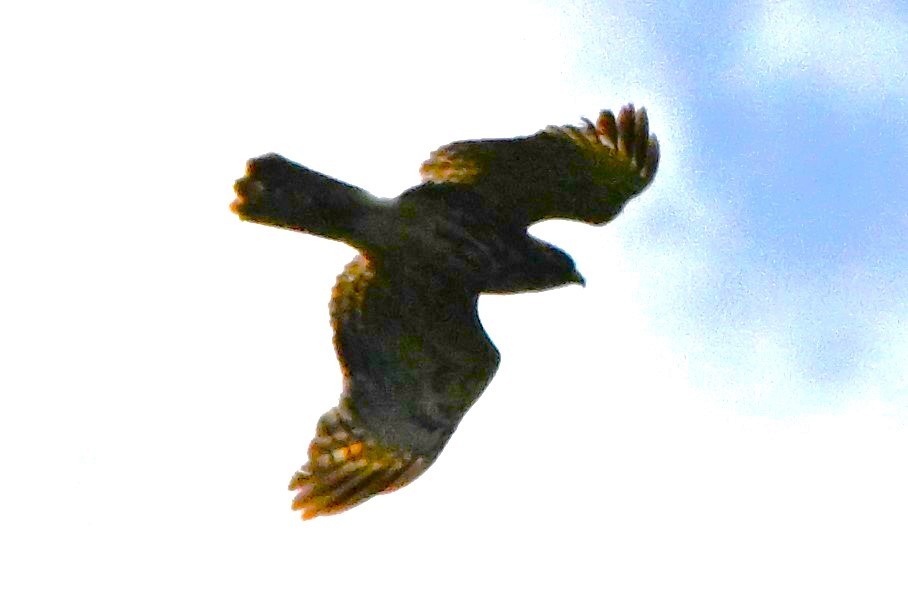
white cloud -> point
(859, 48)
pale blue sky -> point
(722, 412)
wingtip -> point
(607, 128)
(346, 468)
(626, 125)
(641, 136)
(628, 135)
(651, 162)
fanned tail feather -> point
(348, 466)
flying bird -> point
(412, 350)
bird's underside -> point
(407, 334)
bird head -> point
(544, 267)
(562, 267)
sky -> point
(722, 411)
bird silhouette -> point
(407, 334)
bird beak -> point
(578, 278)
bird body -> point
(408, 337)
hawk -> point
(413, 352)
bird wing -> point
(585, 173)
(414, 358)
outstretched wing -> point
(414, 357)
(583, 173)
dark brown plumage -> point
(407, 334)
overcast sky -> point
(722, 412)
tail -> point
(348, 466)
(281, 193)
